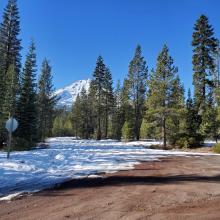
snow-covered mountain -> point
(68, 94)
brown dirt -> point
(172, 189)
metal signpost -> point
(11, 125)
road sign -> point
(11, 124)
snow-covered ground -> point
(68, 158)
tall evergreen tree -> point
(192, 122)
(46, 101)
(10, 47)
(204, 46)
(97, 86)
(137, 79)
(117, 119)
(81, 115)
(210, 121)
(27, 103)
(10, 44)
(177, 106)
(76, 116)
(127, 112)
(10, 93)
(164, 96)
(85, 115)
(108, 100)
(216, 74)
(92, 111)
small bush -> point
(183, 142)
(186, 141)
(127, 132)
(216, 148)
(21, 144)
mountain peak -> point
(67, 95)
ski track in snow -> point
(68, 158)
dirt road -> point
(172, 189)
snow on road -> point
(68, 158)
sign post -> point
(11, 125)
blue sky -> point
(72, 33)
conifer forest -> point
(148, 104)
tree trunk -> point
(106, 119)
(137, 132)
(106, 127)
(164, 134)
(99, 134)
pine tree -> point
(192, 121)
(162, 103)
(144, 129)
(10, 93)
(84, 114)
(177, 105)
(57, 127)
(216, 74)
(148, 130)
(204, 47)
(10, 44)
(98, 86)
(77, 117)
(92, 111)
(137, 79)
(127, 131)
(10, 47)
(127, 112)
(27, 103)
(46, 101)
(117, 118)
(108, 100)
(81, 115)
(210, 122)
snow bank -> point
(9, 197)
(68, 158)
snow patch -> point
(10, 197)
(59, 157)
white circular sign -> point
(11, 124)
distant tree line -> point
(151, 104)
(30, 101)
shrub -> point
(127, 131)
(183, 142)
(21, 144)
(216, 148)
(187, 141)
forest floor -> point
(173, 188)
